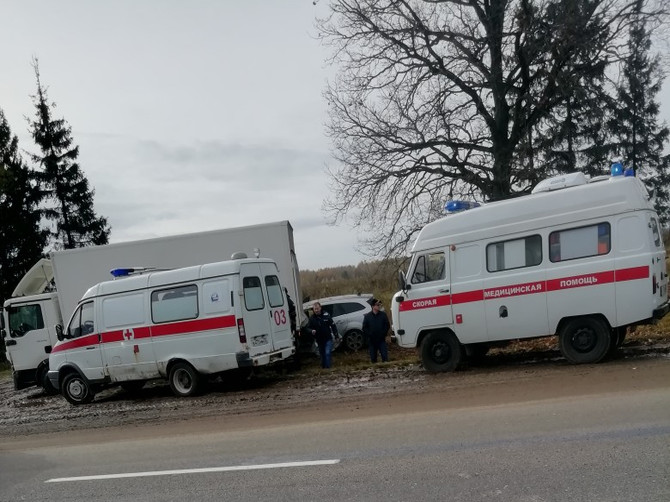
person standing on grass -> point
(323, 328)
(375, 327)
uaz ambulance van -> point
(579, 258)
(180, 324)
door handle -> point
(91, 347)
(444, 290)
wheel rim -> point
(584, 340)
(355, 341)
(183, 381)
(440, 352)
(77, 389)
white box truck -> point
(579, 258)
(183, 324)
(49, 292)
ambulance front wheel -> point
(585, 340)
(184, 380)
(440, 351)
(76, 389)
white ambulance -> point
(579, 258)
(183, 325)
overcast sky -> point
(189, 115)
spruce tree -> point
(639, 138)
(69, 197)
(572, 137)
(21, 239)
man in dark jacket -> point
(324, 329)
(375, 327)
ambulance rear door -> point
(280, 325)
(256, 311)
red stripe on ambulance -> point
(178, 328)
(579, 281)
(576, 281)
(174, 328)
(631, 274)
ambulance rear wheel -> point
(585, 340)
(184, 380)
(440, 351)
(76, 389)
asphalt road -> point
(608, 443)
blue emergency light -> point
(616, 169)
(454, 206)
(121, 272)
(126, 271)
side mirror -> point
(402, 281)
(59, 333)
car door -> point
(27, 336)
(83, 344)
(427, 302)
(280, 324)
(255, 312)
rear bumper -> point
(244, 360)
(661, 311)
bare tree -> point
(436, 99)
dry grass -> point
(546, 347)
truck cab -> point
(29, 334)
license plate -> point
(259, 340)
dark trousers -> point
(378, 344)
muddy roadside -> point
(268, 393)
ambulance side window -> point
(515, 253)
(581, 242)
(429, 267)
(253, 293)
(275, 295)
(126, 310)
(23, 319)
(174, 304)
(216, 297)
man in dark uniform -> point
(323, 328)
(375, 327)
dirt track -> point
(318, 395)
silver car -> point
(347, 312)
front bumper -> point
(53, 378)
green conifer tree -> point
(21, 239)
(70, 199)
(639, 137)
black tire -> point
(585, 340)
(133, 386)
(440, 351)
(76, 389)
(44, 382)
(354, 340)
(184, 380)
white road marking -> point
(306, 463)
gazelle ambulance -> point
(180, 324)
(582, 259)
